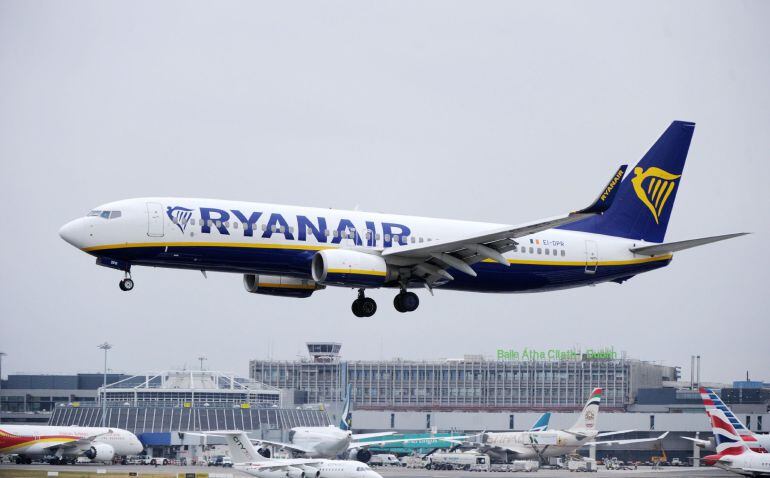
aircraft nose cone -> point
(72, 233)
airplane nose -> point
(72, 233)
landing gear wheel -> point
(406, 302)
(364, 306)
(126, 284)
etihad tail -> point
(646, 197)
(346, 417)
(711, 402)
(588, 417)
(541, 424)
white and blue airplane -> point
(293, 251)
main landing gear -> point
(364, 306)
(406, 301)
(127, 283)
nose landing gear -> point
(406, 301)
(127, 283)
(364, 306)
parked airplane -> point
(759, 443)
(247, 460)
(508, 446)
(66, 444)
(332, 442)
(732, 452)
(429, 443)
(294, 251)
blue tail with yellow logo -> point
(646, 196)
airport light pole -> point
(202, 358)
(105, 346)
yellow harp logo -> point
(657, 190)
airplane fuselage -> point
(257, 238)
(37, 440)
(534, 445)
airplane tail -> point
(645, 199)
(711, 401)
(241, 449)
(346, 417)
(541, 424)
(727, 439)
(587, 419)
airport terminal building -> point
(470, 383)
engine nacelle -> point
(351, 268)
(362, 454)
(100, 452)
(282, 286)
(310, 471)
(294, 472)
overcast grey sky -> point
(498, 111)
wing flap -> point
(627, 442)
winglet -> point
(607, 196)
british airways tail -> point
(646, 197)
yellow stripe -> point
(130, 245)
(583, 263)
(357, 271)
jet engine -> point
(100, 452)
(362, 454)
(351, 268)
(294, 472)
(310, 471)
(282, 286)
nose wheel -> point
(364, 306)
(126, 284)
(406, 301)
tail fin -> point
(711, 401)
(587, 419)
(541, 424)
(346, 417)
(645, 199)
(241, 449)
(727, 439)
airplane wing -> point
(606, 434)
(363, 436)
(430, 261)
(670, 247)
(287, 446)
(700, 443)
(626, 442)
(77, 443)
(364, 444)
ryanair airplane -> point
(294, 251)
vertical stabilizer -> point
(588, 417)
(346, 417)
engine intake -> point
(362, 454)
(282, 286)
(100, 452)
(351, 268)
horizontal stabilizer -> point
(670, 247)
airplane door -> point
(154, 219)
(592, 257)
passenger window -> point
(192, 221)
(291, 229)
(562, 252)
(531, 250)
(387, 237)
(396, 240)
(378, 236)
(235, 225)
(218, 223)
(429, 239)
(264, 227)
(272, 228)
(539, 251)
(335, 233)
(421, 239)
(227, 224)
(547, 252)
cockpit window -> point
(104, 214)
